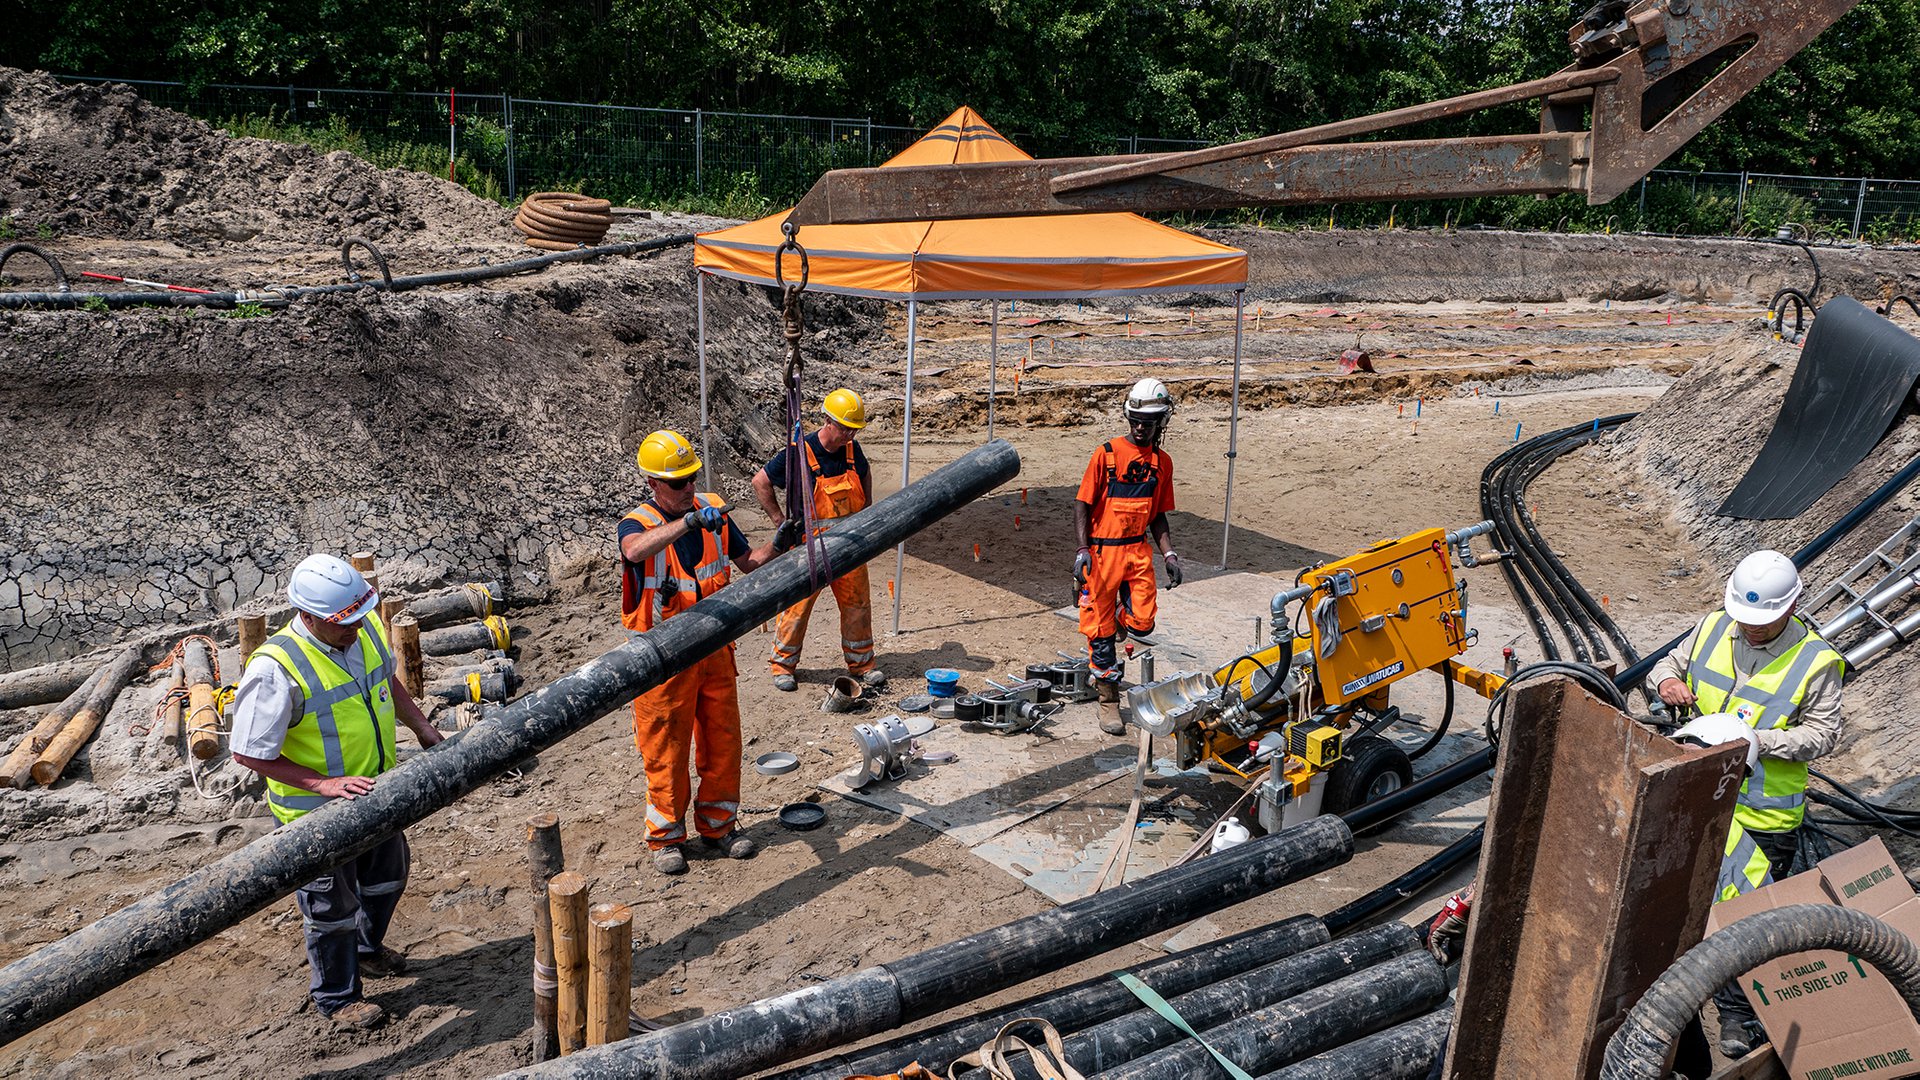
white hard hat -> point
(1721, 727)
(1149, 398)
(1762, 588)
(329, 587)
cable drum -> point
(563, 220)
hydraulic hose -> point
(1446, 721)
(1368, 815)
(1638, 1051)
(1350, 916)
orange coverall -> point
(1127, 487)
(833, 497)
(695, 713)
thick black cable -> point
(1493, 509)
(1350, 916)
(1592, 615)
(1446, 721)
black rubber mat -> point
(1855, 373)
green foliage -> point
(246, 309)
(95, 304)
(44, 230)
(1768, 207)
(8, 231)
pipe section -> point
(757, 1036)
(1079, 1006)
(1320, 1019)
(1136, 1034)
(1639, 1049)
(1406, 1052)
(69, 972)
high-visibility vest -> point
(345, 727)
(663, 587)
(1123, 507)
(1744, 867)
(1774, 797)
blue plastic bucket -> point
(942, 682)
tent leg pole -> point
(700, 324)
(1233, 428)
(993, 364)
(906, 459)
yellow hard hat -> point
(846, 409)
(667, 455)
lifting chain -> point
(799, 484)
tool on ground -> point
(885, 751)
(1072, 679)
(842, 696)
(1019, 705)
(1311, 706)
(148, 284)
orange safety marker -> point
(889, 588)
(1023, 496)
(1016, 523)
(1403, 410)
(976, 553)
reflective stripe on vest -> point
(345, 727)
(1744, 868)
(1774, 797)
(662, 587)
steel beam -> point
(1603, 842)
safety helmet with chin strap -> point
(1149, 401)
(330, 589)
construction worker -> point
(674, 550)
(1757, 661)
(315, 715)
(1123, 502)
(838, 482)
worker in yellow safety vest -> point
(1755, 660)
(676, 549)
(836, 483)
(315, 715)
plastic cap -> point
(1714, 729)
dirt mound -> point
(1691, 447)
(99, 161)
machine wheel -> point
(1371, 768)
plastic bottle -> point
(1230, 834)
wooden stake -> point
(544, 860)
(391, 609)
(362, 561)
(253, 633)
(54, 759)
(17, 770)
(171, 720)
(567, 897)
(610, 986)
(203, 717)
(413, 663)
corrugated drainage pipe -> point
(1638, 1051)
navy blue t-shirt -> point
(688, 547)
(831, 465)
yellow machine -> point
(1304, 710)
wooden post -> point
(54, 759)
(203, 717)
(362, 561)
(544, 861)
(390, 610)
(610, 985)
(17, 770)
(176, 711)
(373, 582)
(413, 663)
(253, 632)
(567, 896)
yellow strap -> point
(480, 593)
(473, 687)
(498, 627)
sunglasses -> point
(677, 485)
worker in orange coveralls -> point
(840, 485)
(1123, 502)
(674, 551)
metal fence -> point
(501, 146)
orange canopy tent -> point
(1067, 256)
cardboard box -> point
(1828, 1015)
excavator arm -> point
(1646, 77)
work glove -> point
(787, 536)
(1446, 937)
(1081, 564)
(705, 517)
(1174, 574)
